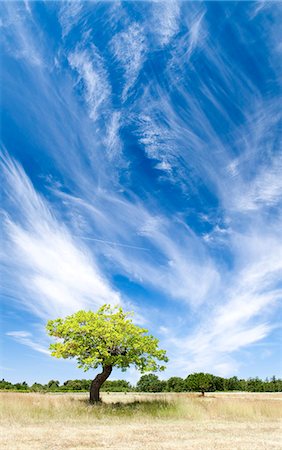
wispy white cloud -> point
(97, 92)
(112, 139)
(241, 312)
(180, 268)
(260, 190)
(157, 140)
(166, 15)
(91, 72)
(19, 334)
(27, 6)
(193, 39)
(196, 32)
(26, 338)
(185, 141)
(69, 15)
(129, 48)
(55, 273)
(19, 34)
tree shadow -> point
(142, 407)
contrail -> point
(114, 243)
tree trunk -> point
(97, 383)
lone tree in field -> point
(105, 338)
(201, 382)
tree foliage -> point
(175, 384)
(150, 383)
(117, 386)
(201, 382)
(76, 385)
(53, 384)
(107, 337)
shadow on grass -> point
(153, 408)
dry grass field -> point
(139, 421)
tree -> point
(76, 385)
(21, 386)
(255, 385)
(53, 385)
(175, 384)
(106, 338)
(117, 386)
(218, 383)
(200, 382)
(150, 383)
(232, 384)
(37, 387)
(6, 384)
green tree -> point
(176, 384)
(37, 387)
(21, 386)
(232, 384)
(150, 383)
(6, 384)
(255, 385)
(53, 385)
(75, 385)
(218, 383)
(117, 386)
(105, 338)
(200, 382)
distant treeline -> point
(197, 382)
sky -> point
(141, 166)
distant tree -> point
(105, 338)
(21, 386)
(150, 383)
(53, 385)
(200, 382)
(77, 385)
(6, 384)
(243, 385)
(218, 383)
(117, 386)
(73, 385)
(85, 384)
(37, 387)
(273, 385)
(24, 386)
(176, 384)
(232, 384)
(255, 385)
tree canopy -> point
(203, 382)
(150, 383)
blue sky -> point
(141, 165)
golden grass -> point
(33, 408)
(141, 421)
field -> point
(140, 421)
